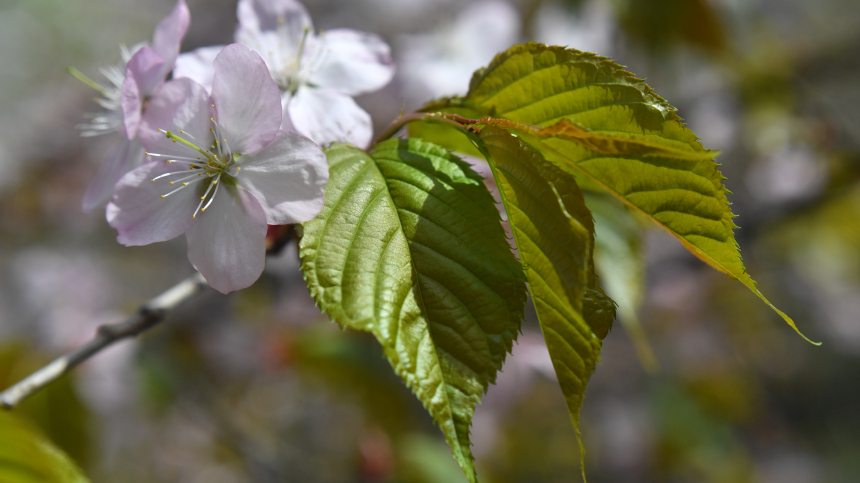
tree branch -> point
(148, 315)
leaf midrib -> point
(423, 308)
(698, 251)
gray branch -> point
(148, 315)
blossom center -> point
(213, 165)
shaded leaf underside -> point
(554, 248)
(409, 247)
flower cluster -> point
(230, 144)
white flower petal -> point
(287, 177)
(169, 33)
(327, 116)
(227, 244)
(130, 100)
(279, 56)
(138, 212)
(351, 62)
(198, 65)
(127, 155)
(286, 122)
(247, 100)
(178, 105)
(286, 16)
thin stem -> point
(148, 315)
(452, 120)
(397, 125)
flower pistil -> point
(215, 164)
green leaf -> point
(408, 246)
(594, 119)
(56, 410)
(26, 456)
(619, 260)
(544, 207)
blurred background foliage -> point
(258, 386)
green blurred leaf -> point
(694, 443)
(56, 410)
(554, 234)
(619, 259)
(26, 456)
(422, 459)
(633, 144)
(409, 247)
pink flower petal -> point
(145, 66)
(138, 212)
(353, 63)
(327, 116)
(127, 155)
(198, 65)
(287, 177)
(169, 33)
(247, 100)
(131, 102)
(288, 15)
(180, 104)
(286, 122)
(227, 244)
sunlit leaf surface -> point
(409, 247)
(26, 456)
(592, 118)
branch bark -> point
(148, 315)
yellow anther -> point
(162, 196)
(193, 216)
(171, 182)
(184, 184)
(224, 140)
(152, 180)
(238, 169)
(181, 131)
(213, 105)
(174, 140)
(202, 209)
(202, 197)
(215, 182)
(212, 119)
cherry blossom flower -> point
(223, 171)
(130, 84)
(318, 74)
